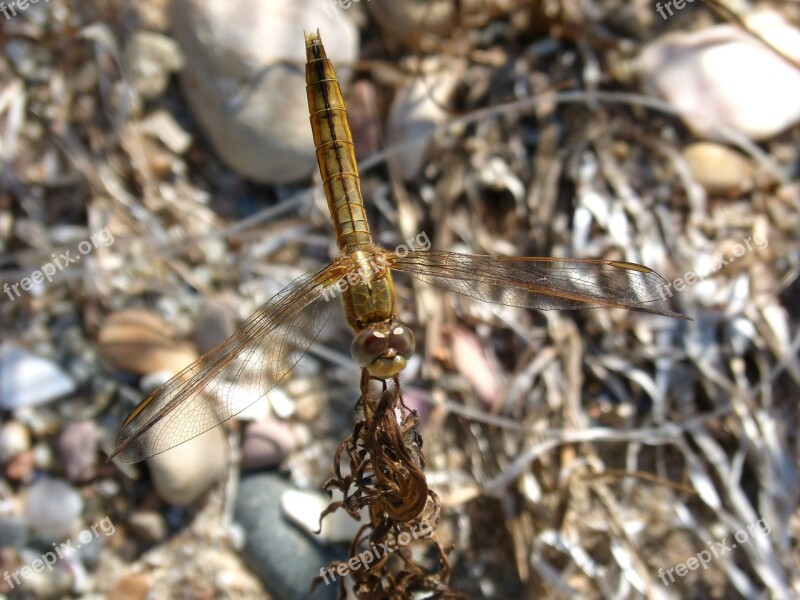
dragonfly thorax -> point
(367, 290)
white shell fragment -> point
(720, 78)
(304, 509)
(27, 379)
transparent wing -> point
(542, 283)
(235, 374)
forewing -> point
(541, 283)
(235, 374)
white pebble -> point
(27, 379)
(14, 438)
(721, 78)
(52, 508)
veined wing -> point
(541, 283)
(236, 373)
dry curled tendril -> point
(385, 475)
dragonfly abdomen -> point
(335, 151)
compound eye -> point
(368, 346)
(401, 340)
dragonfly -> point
(270, 343)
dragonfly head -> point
(383, 349)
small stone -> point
(163, 125)
(249, 96)
(56, 583)
(152, 381)
(285, 557)
(78, 447)
(141, 342)
(309, 396)
(718, 168)
(471, 361)
(13, 532)
(42, 454)
(14, 438)
(304, 509)
(182, 474)
(52, 508)
(721, 77)
(148, 525)
(214, 325)
(133, 586)
(27, 380)
(152, 58)
(20, 468)
(266, 444)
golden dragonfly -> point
(270, 343)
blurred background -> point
(159, 184)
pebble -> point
(152, 58)
(52, 509)
(151, 14)
(181, 475)
(133, 586)
(42, 455)
(56, 583)
(471, 361)
(266, 443)
(13, 532)
(78, 448)
(214, 325)
(309, 396)
(718, 168)
(283, 556)
(304, 509)
(141, 342)
(20, 468)
(245, 83)
(169, 132)
(721, 77)
(148, 525)
(14, 438)
(27, 379)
